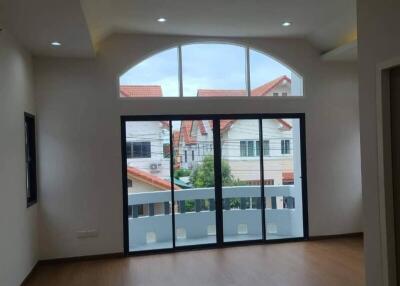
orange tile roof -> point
(150, 179)
(259, 91)
(141, 91)
(265, 88)
(156, 91)
(186, 129)
(175, 138)
(220, 92)
(227, 123)
(201, 127)
(224, 125)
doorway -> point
(212, 180)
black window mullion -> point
(171, 162)
(218, 181)
(263, 215)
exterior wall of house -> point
(274, 164)
(141, 187)
(153, 132)
(202, 148)
(273, 169)
(286, 87)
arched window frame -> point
(247, 48)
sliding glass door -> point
(241, 179)
(283, 183)
(193, 181)
(148, 185)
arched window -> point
(210, 70)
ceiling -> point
(37, 23)
(80, 25)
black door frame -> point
(218, 184)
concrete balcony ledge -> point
(198, 227)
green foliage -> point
(182, 173)
(203, 175)
(234, 203)
(190, 206)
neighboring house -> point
(240, 147)
(148, 147)
(195, 142)
(148, 142)
(140, 91)
(280, 86)
(140, 181)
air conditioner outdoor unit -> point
(155, 167)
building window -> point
(30, 160)
(166, 150)
(266, 147)
(257, 148)
(275, 94)
(285, 146)
(130, 184)
(185, 156)
(243, 148)
(192, 155)
(284, 93)
(249, 148)
(138, 150)
(128, 150)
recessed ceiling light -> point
(286, 24)
(55, 44)
(161, 20)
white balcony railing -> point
(197, 225)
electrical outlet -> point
(89, 233)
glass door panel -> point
(240, 171)
(194, 180)
(149, 185)
(283, 178)
(256, 192)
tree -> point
(181, 173)
(203, 175)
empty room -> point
(199, 142)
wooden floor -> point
(336, 262)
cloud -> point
(204, 66)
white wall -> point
(378, 32)
(79, 130)
(18, 224)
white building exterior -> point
(238, 136)
(154, 134)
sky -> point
(204, 66)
